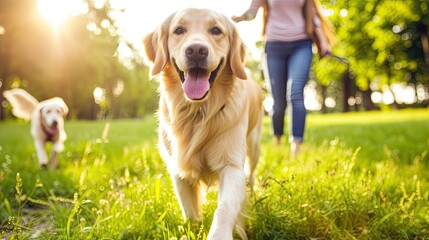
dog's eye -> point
(216, 31)
(179, 31)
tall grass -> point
(360, 176)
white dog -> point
(47, 122)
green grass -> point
(360, 176)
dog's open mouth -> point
(197, 81)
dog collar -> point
(51, 134)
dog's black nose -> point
(54, 123)
(197, 51)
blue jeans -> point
(288, 66)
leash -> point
(342, 60)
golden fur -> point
(205, 135)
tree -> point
(70, 62)
(385, 41)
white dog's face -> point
(52, 114)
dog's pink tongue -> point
(196, 84)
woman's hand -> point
(325, 48)
(247, 16)
(238, 18)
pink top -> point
(285, 22)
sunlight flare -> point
(57, 11)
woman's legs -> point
(277, 71)
(288, 67)
(298, 69)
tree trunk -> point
(366, 100)
(425, 42)
(346, 90)
(4, 69)
(324, 109)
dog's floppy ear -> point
(156, 48)
(65, 109)
(62, 104)
(237, 54)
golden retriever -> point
(210, 117)
(47, 123)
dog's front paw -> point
(219, 232)
(44, 166)
(220, 235)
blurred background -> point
(89, 52)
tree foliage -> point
(385, 41)
(73, 60)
